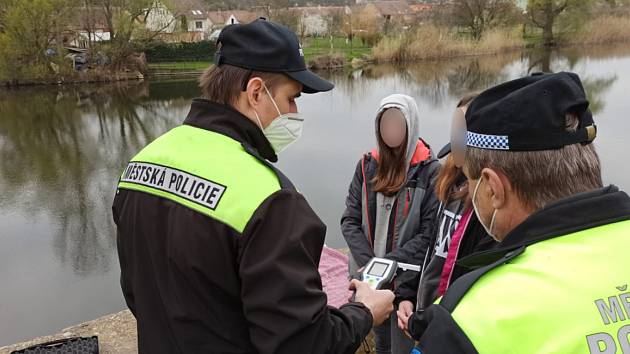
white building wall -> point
(160, 17)
(314, 24)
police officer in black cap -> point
(557, 282)
(218, 251)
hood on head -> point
(407, 105)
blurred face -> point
(458, 136)
(393, 127)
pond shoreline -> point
(82, 78)
(318, 63)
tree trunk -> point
(546, 61)
(476, 33)
(548, 39)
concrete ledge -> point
(116, 334)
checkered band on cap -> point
(483, 141)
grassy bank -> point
(432, 42)
(602, 30)
(185, 65)
(314, 48)
(92, 76)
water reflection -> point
(61, 149)
(438, 81)
(572, 59)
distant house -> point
(181, 20)
(422, 12)
(88, 25)
(219, 19)
(419, 8)
(308, 21)
(318, 20)
(386, 15)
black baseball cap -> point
(268, 47)
(529, 114)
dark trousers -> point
(390, 339)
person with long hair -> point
(456, 233)
(391, 202)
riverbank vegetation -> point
(481, 27)
(602, 30)
(433, 42)
(57, 41)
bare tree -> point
(480, 15)
(545, 14)
(30, 31)
(126, 19)
(290, 18)
(335, 22)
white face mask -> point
(283, 130)
(494, 214)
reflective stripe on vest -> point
(205, 171)
(569, 294)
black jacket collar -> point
(579, 212)
(226, 120)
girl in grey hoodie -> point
(391, 202)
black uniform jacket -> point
(196, 285)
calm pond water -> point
(62, 149)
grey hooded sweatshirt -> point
(396, 227)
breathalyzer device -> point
(379, 273)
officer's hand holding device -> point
(378, 302)
(380, 272)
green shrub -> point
(170, 52)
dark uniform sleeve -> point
(282, 294)
(123, 258)
(440, 334)
(351, 221)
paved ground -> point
(116, 335)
